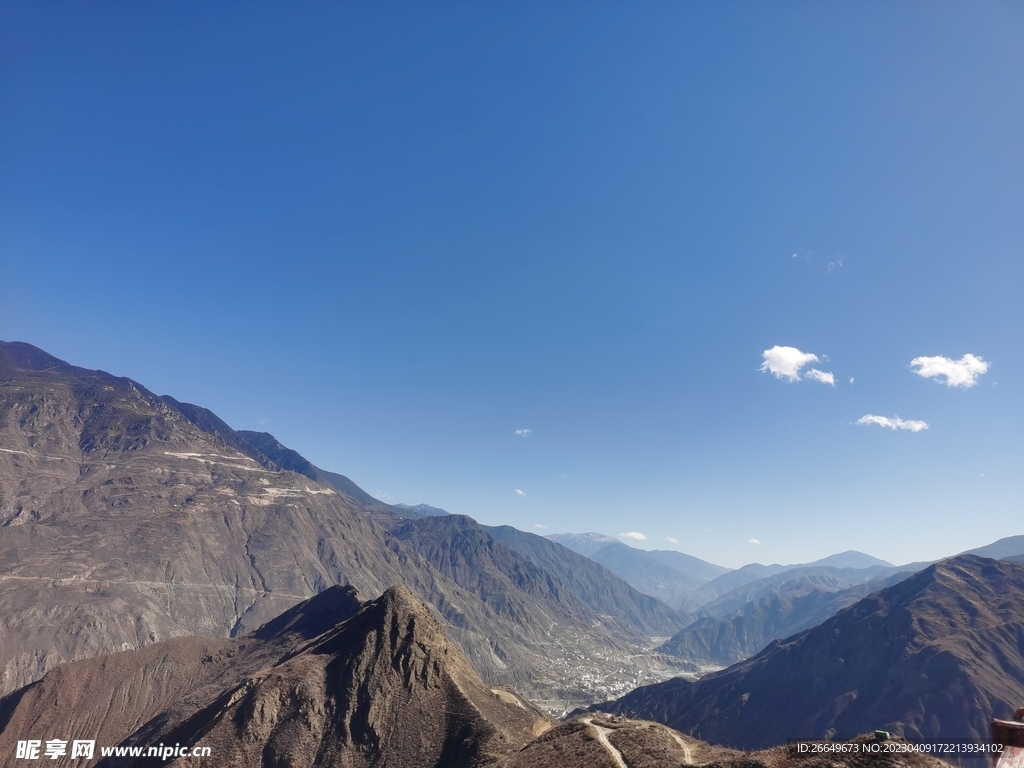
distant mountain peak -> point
(423, 510)
(583, 543)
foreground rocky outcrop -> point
(606, 741)
(935, 656)
(331, 682)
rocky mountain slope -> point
(783, 610)
(590, 583)
(336, 681)
(934, 656)
(530, 597)
(127, 518)
(602, 741)
(331, 682)
(778, 606)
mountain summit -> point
(381, 686)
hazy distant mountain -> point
(851, 559)
(732, 589)
(727, 582)
(585, 544)
(783, 610)
(794, 581)
(422, 510)
(700, 569)
(330, 683)
(1000, 550)
(592, 583)
(935, 656)
(666, 575)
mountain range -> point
(337, 680)
(128, 518)
(165, 577)
(934, 656)
(333, 681)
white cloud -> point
(959, 373)
(671, 540)
(851, 379)
(520, 493)
(835, 264)
(633, 535)
(786, 362)
(539, 525)
(894, 423)
(753, 541)
(825, 377)
(524, 432)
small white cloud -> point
(524, 432)
(671, 540)
(383, 496)
(786, 362)
(520, 493)
(894, 423)
(851, 379)
(835, 264)
(959, 373)
(539, 525)
(753, 541)
(825, 377)
(633, 535)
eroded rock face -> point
(331, 682)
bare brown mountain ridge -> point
(332, 682)
(127, 518)
(935, 656)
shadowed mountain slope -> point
(592, 583)
(934, 656)
(545, 613)
(380, 686)
(786, 609)
(795, 581)
(1011, 546)
(585, 544)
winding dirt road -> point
(602, 736)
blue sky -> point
(394, 235)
